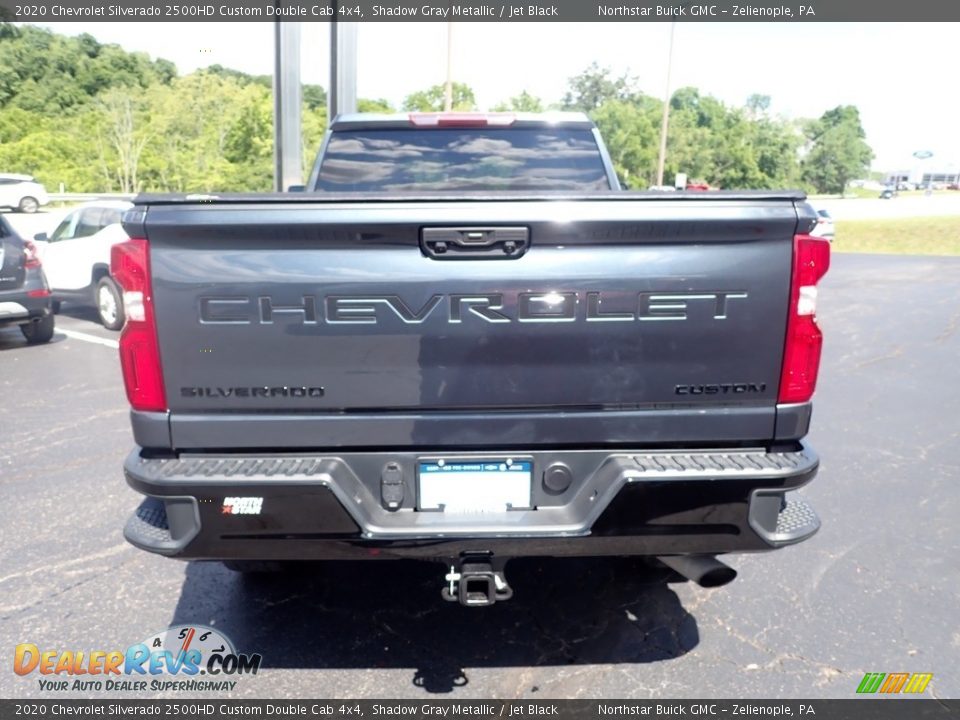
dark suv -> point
(24, 294)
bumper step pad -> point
(151, 527)
(148, 524)
(713, 464)
(797, 521)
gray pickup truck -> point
(464, 343)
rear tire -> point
(109, 303)
(28, 205)
(40, 331)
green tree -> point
(524, 102)
(378, 105)
(595, 86)
(838, 150)
(241, 78)
(49, 73)
(124, 133)
(248, 144)
(777, 144)
(758, 104)
(432, 99)
(631, 135)
(314, 97)
(99, 118)
(731, 148)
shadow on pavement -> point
(79, 312)
(12, 339)
(390, 615)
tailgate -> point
(621, 306)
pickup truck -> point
(463, 343)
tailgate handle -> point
(474, 243)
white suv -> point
(22, 193)
(76, 259)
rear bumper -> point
(19, 308)
(304, 507)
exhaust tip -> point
(717, 577)
(705, 570)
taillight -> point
(462, 119)
(139, 349)
(31, 255)
(801, 355)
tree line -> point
(99, 118)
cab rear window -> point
(460, 159)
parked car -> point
(22, 193)
(24, 294)
(76, 258)
(824, 227)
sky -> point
(900, 75)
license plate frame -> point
(474, 485)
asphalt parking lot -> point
(877, 590)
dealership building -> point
(923, 172)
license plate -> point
(475, 486)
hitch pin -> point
(453, 577)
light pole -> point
(287, 156)
(666, 109)
(448, 90)
(342, 96)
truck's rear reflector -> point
(462, 119)
(801, 355)
(139, 349)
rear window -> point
(462, 159)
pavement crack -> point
(951, 328)
(62, 591)
(47, 568)
(777, 658)
(895, 353)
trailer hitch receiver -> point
(476, 581)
